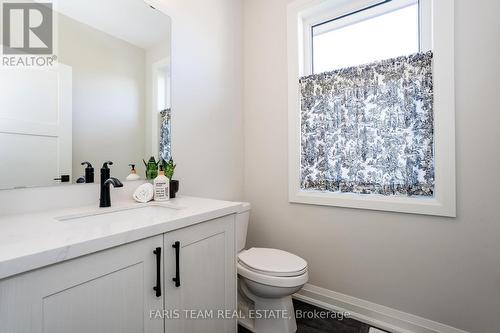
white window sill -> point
(413, 205)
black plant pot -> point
(174, 188)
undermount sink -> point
(144, 212)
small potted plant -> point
(151, 168)
(169, 168)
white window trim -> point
(441, 41)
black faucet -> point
(106, 180)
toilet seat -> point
(272, 267)
(277, 274)
(272, 262)
(274, 281)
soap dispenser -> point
(89, 172)
(133, 174)
(161, 186)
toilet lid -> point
(273, 262)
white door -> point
(35, 125)
(207, 278)
(106, 292)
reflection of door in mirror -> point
(35, 126)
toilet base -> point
(265, 315)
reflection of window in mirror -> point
(161, 108)
(163, 79)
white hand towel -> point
(144, 193)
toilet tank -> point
(242, 218)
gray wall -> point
(207, 110)
(443, 269)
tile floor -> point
(319, 325)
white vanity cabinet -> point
(200, 277)
(112, 291)
(108, 291)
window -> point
(363, 37)
(367, 111)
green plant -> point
(169, 168)
(151, 168)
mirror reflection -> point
(107, 99)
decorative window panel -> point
(369, 129)
(165, 135)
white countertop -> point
(30, 241)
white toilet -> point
(267, 278)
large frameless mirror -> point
(82, 81)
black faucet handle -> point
(88, 164)
(105, 164)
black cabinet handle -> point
(157, 288)
(177, 278)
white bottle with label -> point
(161, 187)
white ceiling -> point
(131, 20)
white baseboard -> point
(373, 314)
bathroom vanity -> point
(67, 265)
(130, 268)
